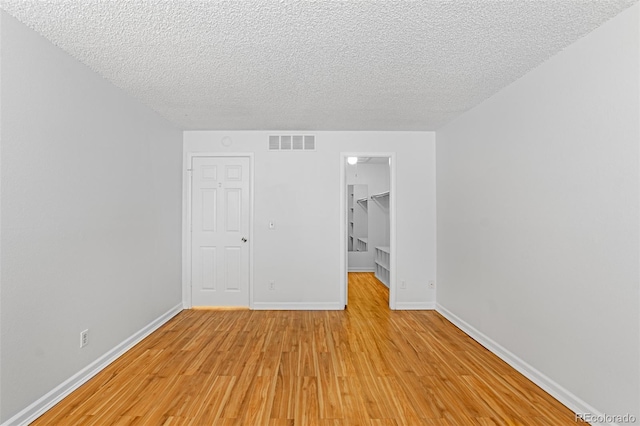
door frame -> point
(343, 223)
(187, 187)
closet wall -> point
(376, 177)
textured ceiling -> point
(326, 65)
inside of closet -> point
(368, 222)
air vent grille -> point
(297, 142)
(292, 143)
(274, 143)
(310, 143)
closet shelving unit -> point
(383, 264)
(358, 210)
(383, 253)
(362, 244)
(351, 241)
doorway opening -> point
(367, 188)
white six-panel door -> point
(220, 231)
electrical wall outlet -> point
(403, 285)
(84, 338)
(272, 285)
(432, 284)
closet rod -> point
(382, 194)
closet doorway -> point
(367, 194)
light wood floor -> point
(362, 366)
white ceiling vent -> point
(292, 143)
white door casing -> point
(220, 223)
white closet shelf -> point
(383, 264)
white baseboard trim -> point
(40, 406)
(364, 269)
(297, 306)
(565, 397)
(415, 306)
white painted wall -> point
(91, 216)
(376, 177)
(538, 214)
(300, 191)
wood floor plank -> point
(407, 415)
(355, 410)
(257, 411)
(213, 400)
(284, 398)
(328, 388)
(306, 410)
(365, 366)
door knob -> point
(244, 240)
